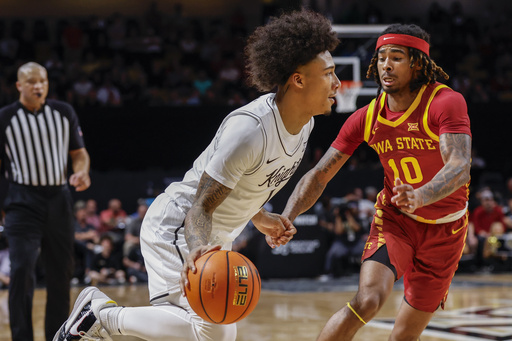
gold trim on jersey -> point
(371, 110)
(425, 115)
(369, 119)
(446, 219)
(406, 115)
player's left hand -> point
(270, 224)
(290, 230)
(80, 180)
(406, 197)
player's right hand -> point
(190, 263)
(406, 198)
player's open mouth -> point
(387, 81)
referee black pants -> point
(39, 221)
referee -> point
(36, 136)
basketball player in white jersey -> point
(254, 153)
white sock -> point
(109, 319)
(163, 322)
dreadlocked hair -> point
(430, 72)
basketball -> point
(225, 288)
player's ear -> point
(297, 79)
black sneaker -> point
(83, 323)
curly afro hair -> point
(430, 72)
(274, 51)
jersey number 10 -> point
(406, 164)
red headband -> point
(404, 40)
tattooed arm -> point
(198, 222)
(456, 154)
(313, 183)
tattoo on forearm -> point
(313, 184)
(456, 152)
(335, 158)
(198, 230)
(198, 223)
(210, 193)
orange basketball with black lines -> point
(225, 288)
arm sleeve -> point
(239, 147)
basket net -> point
(347, 96)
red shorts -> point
(427, 255)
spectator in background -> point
(348, 241)
(229, 72)
(132, 234)
(108, 94)
(324, 211)
(134, 265)
(86, 238)
(91, 212)
(485, 221)
(507, 210)
(82, 91)
(367, 206)
(202, 82)
(113, 221)
(106, 267)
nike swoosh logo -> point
(74, 330)
(457, 230)
(387, 38)
(270, 161)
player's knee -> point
(216, 332)
(369, 304)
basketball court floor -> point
(479, 307)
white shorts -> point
(164, 248)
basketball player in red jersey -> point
(420, 129)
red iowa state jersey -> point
(408, 143)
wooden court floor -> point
(479, 307)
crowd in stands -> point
(107, 245)
(168, 59)
(157, 59)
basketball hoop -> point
(346, 96)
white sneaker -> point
(84, 323)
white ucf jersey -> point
(253, 154)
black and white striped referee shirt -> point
(34, 146)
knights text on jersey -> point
(254, 155)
